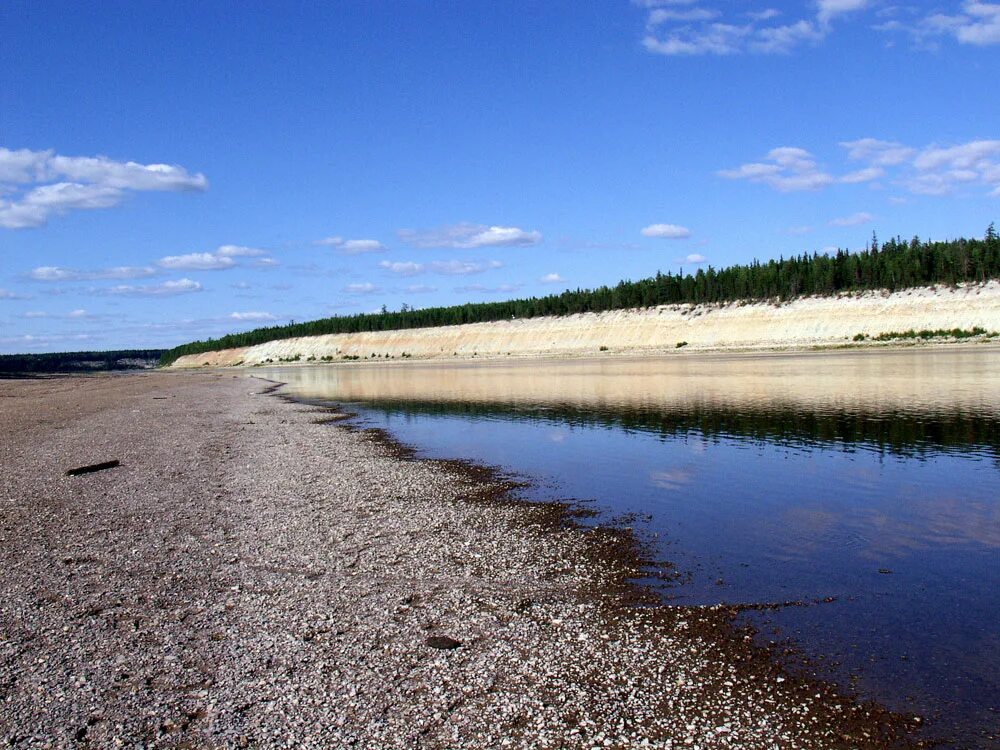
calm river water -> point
(870, 477)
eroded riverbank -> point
(253, 576)
(799, 324)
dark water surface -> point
(870, 477)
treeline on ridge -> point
(125, 359)
(896, 264)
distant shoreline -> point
(803, 324)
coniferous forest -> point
(893, 265)
(63, 362)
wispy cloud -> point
(352, 247)
(444, 267)
(552, 278)
(254, 315)
(403, 268)
(239, 251)
(854, 220)
(7, 294)
(931, 170)
(463, 267)
(481, 289)
(164, 289)
(196, 262)
(48, 184)
(60, 273)
(32, 341)
(78, 314)
(690, 28)
(786, 169)
(470, 236)
(222, 258)
(362, 288)
(693, 259)
(666, 231)
(971, 22)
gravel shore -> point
(254, 575)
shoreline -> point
(327, 570)
(215, 362)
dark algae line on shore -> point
(894, 265)
(864, 485)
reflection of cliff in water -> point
(897, 433)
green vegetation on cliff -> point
(896, 264)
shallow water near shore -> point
(871, 479)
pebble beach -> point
(262, 573)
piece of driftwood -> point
(443, 642)
(93, 467)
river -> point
(863, 484)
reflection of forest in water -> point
(901, 433)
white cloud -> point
(403, 268)
(940, 170)
(763, 15)
(253, 315)
(666, 231)
(462, 267)
(470, 236)
(932, 170)
(694, 259)
(868, 174)
(854, 220)
(444, 267)
(789, 169)
(56, 184)
(973, 22)
(196, 262)
(59, 273)
(7, 294)
(221, 259)
(362, 288)
(78, 314)
(330, 241)
(499, 289)
(878, 153)
(239, 251)
(552, 278)
(829, 9)
(32, 341)
(352, 247)
(22, 165)
(783, 39)
(660, 15)
(165, 289)
(974, 155)
(673, 30)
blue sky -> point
(179, 170)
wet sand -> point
(255, 575)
